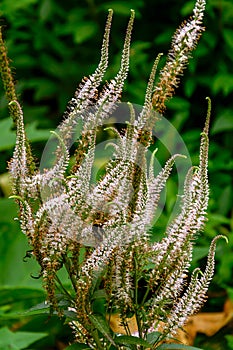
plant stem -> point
(97, 340)
(67, 265)
(136, 296)
(63, 288)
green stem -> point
(63, 288)
(97, 340)
(126, 326)
(136, 297)
(67, 265)
(7, 79)
(145, 295)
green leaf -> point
(199, 253)
(152, 337)
(99, 294)
(45, 9)
(44, 88)
(35, 134)
(223, 123)
(187, 8)
(15, 293)
(219, 219)
(18, 340)
(84, 31)
(23, 296)
(13, 247)
(122, 7)
(41, 308)
(176, 347)
(71, 315)
(19, 315)
(78, 346)
(190, 86)
(7, 140)
(9, 8)
(229, 339)
(5, 184)
(179, 103)
(223, 82)
(8, 136)
(228, 37)
(100, 323)
(230, 293)
(131, 340)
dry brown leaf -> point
(115, 323)
(208, 323)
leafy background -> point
(52, 45)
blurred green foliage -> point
(52, 45)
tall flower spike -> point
(50, 181)
(26, 217)
(14, 108)
(7, 79)
(204, 149)
(175, 249)
(88, 88)
(106, 102)
(83, 99)
(194, 205)
(112, 91)
(184, 42)
(195, 295)
(79, 184)
(147, 106)
(116, 185)
(155, 187)
(18, 165)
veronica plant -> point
(100, 231)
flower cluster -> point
(99, 231)
(183, 43)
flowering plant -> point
(99, 231)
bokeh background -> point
(53, 44)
